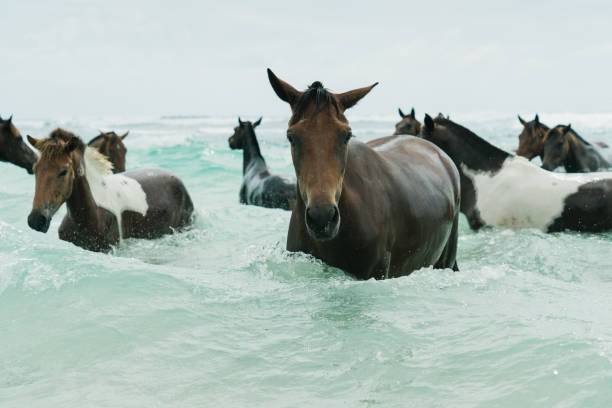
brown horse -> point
(531, 139)
(102, 207)
(399, 203)
(564, 147)
(12, 147)
(409, 125)
(110, 144)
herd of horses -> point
(379, 209)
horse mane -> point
(472, 138)
(580, 138)
(96, 161)
(317, 94)
(55, 145)
(100, 136)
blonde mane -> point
(96, 162)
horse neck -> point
(479, 155)
(573, 161)
(81, 205)
(250, 149)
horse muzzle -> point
(39, 221)
(323, 221)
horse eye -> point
(290, 139)
(348, 137)
(63, 173)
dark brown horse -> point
(12, 147)
(259, 186)
(409, 125)
(531, 139)
(103, 207)
(374, 213)
(110, 144)
(564, 147)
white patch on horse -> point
(113, 192)
(522, 195)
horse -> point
(259, 187)
(531, 139)
(110, 144)
(12, 147)
(564, 147)
(372, 212)
(500, 189)
(409, 125)
(103, 208)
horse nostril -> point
(335, 214)
(318, 217)
(37, 221)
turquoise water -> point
(222, 316)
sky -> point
(93, 58)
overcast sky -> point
(94, 58)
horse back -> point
(169, 205)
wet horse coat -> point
(564, 147)
(409, 125)
(374, 213)
(110, 144)
(103, 207)
(12, 147)
(500, 189)
(531, 139)
(259, 186)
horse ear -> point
(536, 119)
(521, 120)
(412, 113)
(124, 135)
(429, 123)
(33, 141)
(284, 91)
(258, 122)
(401, 113)
(567, 128)
(350, 98)
(10, 119)
(239, 121)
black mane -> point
(317, 94)
(492, 156)
(580, 138)
(95, 139)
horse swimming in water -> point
(564, 147)
(110, 144)
(409, 125)
(102, 207)
(498, 188)
(531, 139)
(259, 187)
(373, 213)
(12, 147)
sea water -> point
(223, 316)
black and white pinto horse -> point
(500, 189)
(564, 147)
(259, 186)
